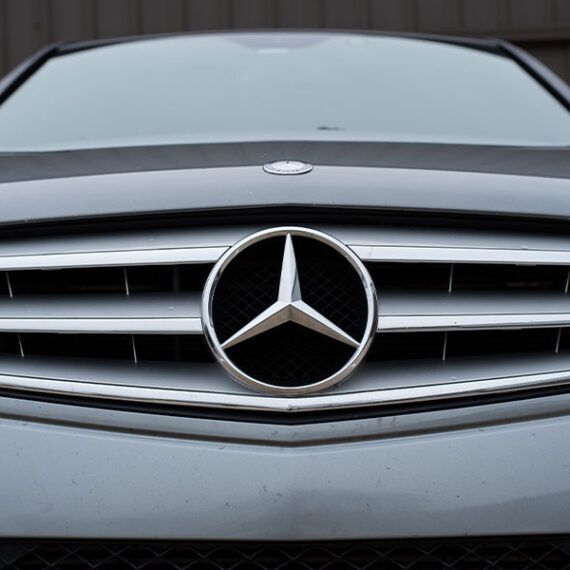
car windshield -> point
(279, 86)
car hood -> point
(126, 182)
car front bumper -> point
(70, 472)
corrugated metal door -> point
(541, 26)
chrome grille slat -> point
(205, 376)
(456, 255)
(124, 307)
(171, 247)
(224, 400)
(112, 258)
(137, 314)
(180, 313)
(456, 311)
(371, 253)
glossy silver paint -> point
(407, 190)
(489, 470)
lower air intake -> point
(535, 554)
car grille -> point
(531, 554)
(461, 313)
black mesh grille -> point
(167, 279)
(331, 286)
(311, 352)
(476, 278)
(9, 343)
(254, 286)
(409, 276)
(3, 285)
(149, 348)
(467, 277)
(247, 288)
(68, 281)
(103, 280)
(289, 355)
(509, 277)
(479, 343)
(398, 346)
(412, 346)
(507, 554)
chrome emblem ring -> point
(287, 167)
(289, 311)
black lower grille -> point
(317, 356)
(517, 553)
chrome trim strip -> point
(193, 325)
(369, 253)
(467, 389)
(159, 313)
(427, 323)
(433, 311)
(380, 247)
(171, 325)
(177, 313)
(408, 254)
(112, 258)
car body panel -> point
(128, 195)
(405, 476)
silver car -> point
(284, 300)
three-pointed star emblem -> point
(290, 307)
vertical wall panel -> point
(300, 13)
(346, 14)
(207, 14)
(561, 15)
(27, 28)
(439, 15)
(161, 17)
(485, 15)
(72, 19)
(253, 14)
(30, 24)
(392, 15)
(116, 18)
(531, 14)
(3, 40)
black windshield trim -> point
(490, 45)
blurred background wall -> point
(540, 26)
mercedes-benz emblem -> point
(289, 311)
(287, 167)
